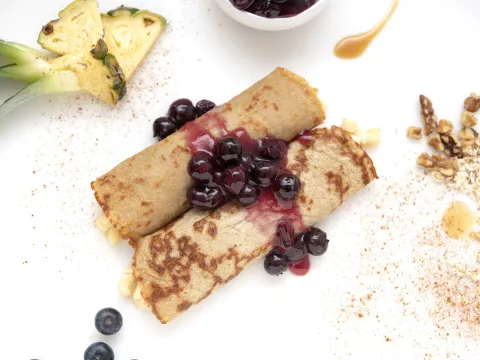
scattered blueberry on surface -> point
(265, 173)
(99, 351)
(204, 106)
(182, 111)
(275, 262)
(162, 127)
(228, 151)
(249, 195)
(205, 197)
(201, 167)
(286, 187)
(317, 242)
(108, 321)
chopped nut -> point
(472, 103)
(452, 145)
(425, 160)
(428, 115)
(466, 134)
(468, 119)
(372, 137)
(435, 142)
(444, 126)
(414, 132)
(349, 126)
(438, 163)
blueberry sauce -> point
(273, 8)
(233, 165)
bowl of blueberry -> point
(272, 15)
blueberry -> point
(298, 251)
(204, 106)
(249, 195)
(287, 186)
(99, 351)
(162, 127)
(265, 173)
(228, 151)
(205, 197)
(182, 111)
(285, 234)
(273, 149)
(108, 321)
(275, 263)
(317, 242)
(201, 167)
(242, 4)
(247, 162)
(268, 9)
(234, 179)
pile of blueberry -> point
(291, 250)
(273, 8)
(108, 321)
(180, 112)
(230, 172)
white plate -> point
(56, 270)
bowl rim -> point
(254, 17)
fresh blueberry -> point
(287, 187)
(228, 151)
(249, 195)
(275, 263)
(317, 242)
(285, 234)
(182, 111)
(205, 197)
(273, 149)
(201, 167)
(265, 173)
(247, 162)
(99, 351)
(108, 321)
(204, 106)
(298, 251)
(234, 179)
(242, 4)
(162, 127)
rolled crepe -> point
(148, 190)
(183, 263)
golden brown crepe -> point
(183, 263)
(148, 191)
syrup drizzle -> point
(354, 46)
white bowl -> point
(278, 24)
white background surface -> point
(57, 271)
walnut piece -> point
(444, 126)
(414, 132)
(467, 134)
(472, 103)
(453, 147)
(469, 119)
(438, 163)
(428, 115)
(435, 142)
